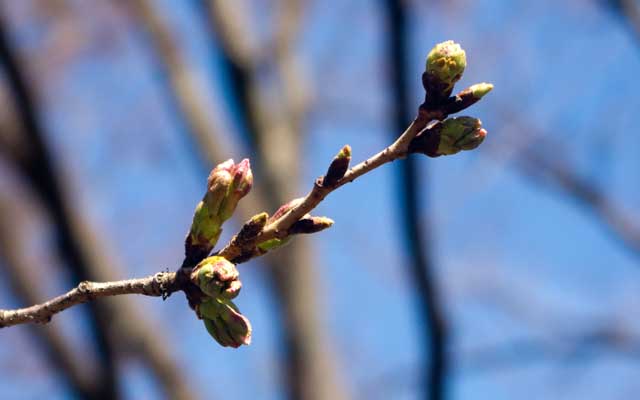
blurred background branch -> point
(546, 332)
(535, 161)
(18, 273)
(82, 252)
(309, 372)
(414, 223)
(274, 129)
(629, 11)
(622, 225)
(37, 169)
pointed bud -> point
(218, 184)
(252, 228)
(449, 137)
(217, 277)
(309, 224)
(444, 67)
(240, 187)
(338, 167)
(480, 89)
(226, 185)
(225, 323)
(466, 98)
(284, 209)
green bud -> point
(480, 89)
(461, 133)
(226, 185)
(217, 277)
(449, 137)
(447, 61)
(273, 244)
(205, 230)
(444, 67)
(225, 323)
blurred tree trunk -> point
(415, 224)
(275, 133)
(82, 252)
(24, 284)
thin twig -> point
(275, 134)
(397, 150)
(160, 284)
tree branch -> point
(163, 284)
(160, 284)
(238, 251)
(617, 222)
(83, 252)
(274, 132)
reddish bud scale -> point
(338, 167)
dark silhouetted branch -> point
(82, 252)
(629, 11)
(615, 220)
(415, 226)
(38, 169)
(25, 287)
(274, 134)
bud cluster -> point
(449, 137)
(227, 184)
(218, 279)
(445, 65)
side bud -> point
(479, 90)
(449, 137)
(225, 323)
(444, 67)
(217, 277)
(338, 167)
(309, 224)
(284, 209)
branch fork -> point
(211, 282)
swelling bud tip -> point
(444, 67)
(217, 277)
